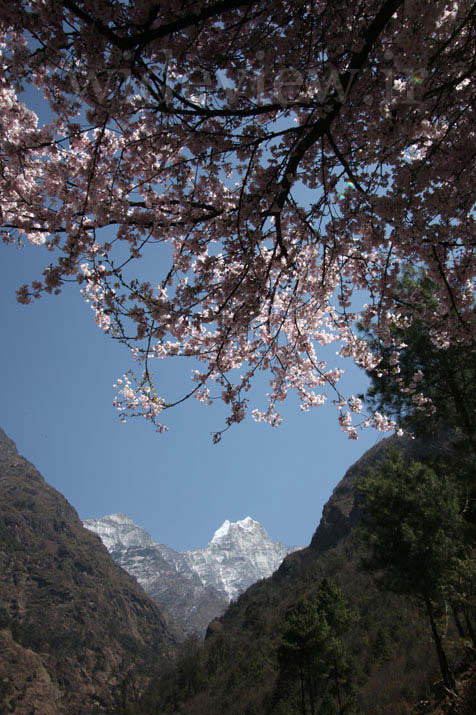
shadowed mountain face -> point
(73, 625)
(238, 670)
(342, 512)
(194, 586)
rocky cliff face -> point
(342, 512)
(72, 623)
(238, 555)
(162, 572)
(195, 586)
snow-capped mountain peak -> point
(239, 554)
(118, 531)
(230, 527)
(248, 523)
(222, 531)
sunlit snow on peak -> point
(247, 523)
(120, 518)
(222, 530)
(239, 554)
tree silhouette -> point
(417, 377)
(311, 650)
(413, 526)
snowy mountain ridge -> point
(194, 585)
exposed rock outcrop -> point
(194, 586)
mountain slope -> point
(72, 623)
(239, 554)
(236, 672)
(163, 573)
(195, 586)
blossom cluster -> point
(244, 234)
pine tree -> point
(413, 526)
(312, 652)
(424, 386)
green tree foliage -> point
(179, 679)
(413, 526)
(312, 653)
(462, 591)
(444, 375)
(392, 660)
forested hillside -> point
(386, 655)
(377, 615)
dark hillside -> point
(236, 673)
(73, 625)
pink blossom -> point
(264, 206)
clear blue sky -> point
(57, 372)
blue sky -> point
(57, 372)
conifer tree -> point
(418, 378)
(312, 652)
(413, 526)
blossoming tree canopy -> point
(279, 159)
